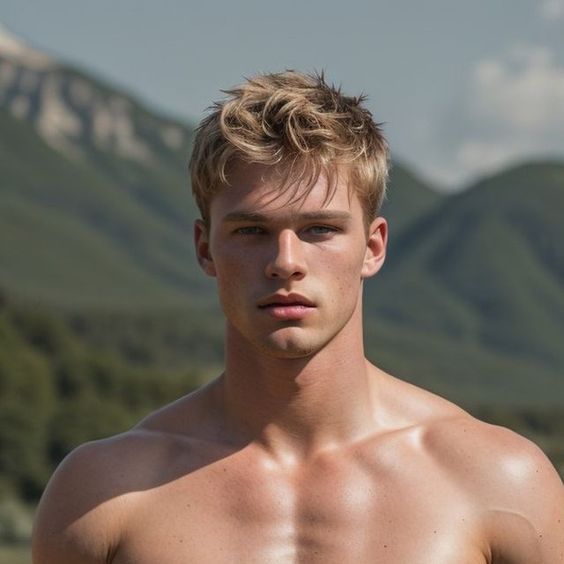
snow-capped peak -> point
(14, 48)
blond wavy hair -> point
(299, 125)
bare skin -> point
(301, 451)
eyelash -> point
(327, 227)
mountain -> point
(94, 201)
(95, 207)
(96, 224)
(478, 282)
(408, 198)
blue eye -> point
(321, 229)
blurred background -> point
(104, 314)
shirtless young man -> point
(301, 451)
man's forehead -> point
(257, 189)
(257, 175)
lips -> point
(287, 307)
(286, 299)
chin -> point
(289, 353)
(291, 347)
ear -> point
(202, 243)
(375, 247)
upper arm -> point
(528, 525)
(76, 517)
(516, 494)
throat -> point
(301, 406)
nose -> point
(288, 259)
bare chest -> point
(336, 511)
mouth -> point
(291, 307)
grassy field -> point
(15, 554)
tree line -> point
(58, 391)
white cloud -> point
(523, 93)
(512, 109)
(552, 9)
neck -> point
(294, 407)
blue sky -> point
(464, 88)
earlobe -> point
(201, 241)
(375, 247)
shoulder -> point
(482, 451)
(80, 512)
(514, 491)
(486, 456)
(513, 486)
(85, 507)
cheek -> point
(346, 264)
(342, 273)
(231, 262)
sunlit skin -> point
(301, 451)
(260, 248)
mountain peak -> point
(16, 49)
(73, 112)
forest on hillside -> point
(58, 391)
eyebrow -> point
(307, 216)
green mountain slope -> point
(479, 281)
(408, 199)
(74, 237)
(95, 221)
